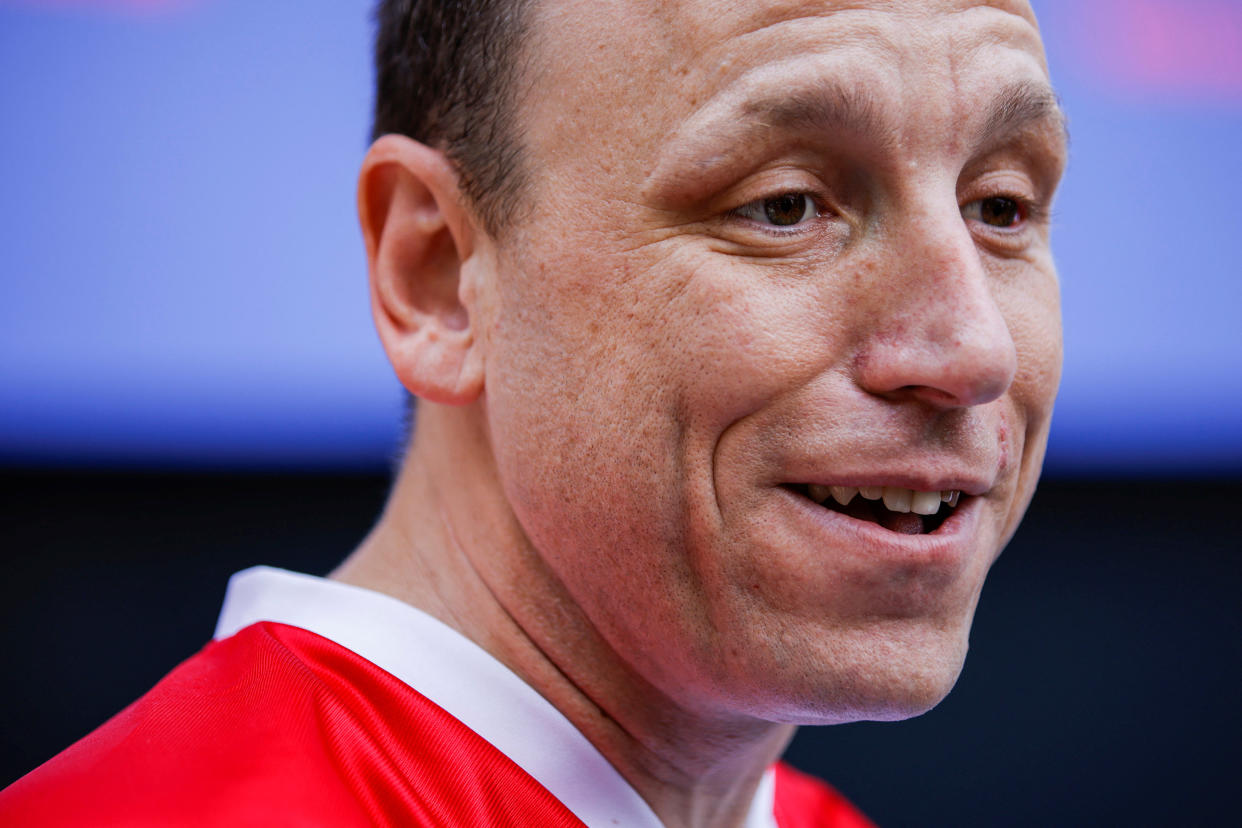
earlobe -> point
(418, 234)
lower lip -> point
(948, 547)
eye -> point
(996, 211)
(786, 210)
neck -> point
(448, 544)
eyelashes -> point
(1003, 212)
(1006, 218)
(786, 210)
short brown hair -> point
(445, 73)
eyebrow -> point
(1024, 104)
(829, 105)
(725, 129)
(825, 106)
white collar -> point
(462, 678)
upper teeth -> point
(896, 499)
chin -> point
(881, 680)
(905, 697)
(901, 697)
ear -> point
(418, 233)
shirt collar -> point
(463, 679)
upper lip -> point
(966, 483)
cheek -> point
(668, 339)
(1032, 309)
(579, 407)
(1028, 296)
(1030, 301)
(738, 335)
(606, 406)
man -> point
(735, 330)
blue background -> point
(182, 282)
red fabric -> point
(277, 726)
(805, 802)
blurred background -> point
(189, 384)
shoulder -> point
(277, 726)
(193, 750)
(802, 801)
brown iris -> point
(785, 210)
(999, 211)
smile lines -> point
(896, 499)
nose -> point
(941, 338)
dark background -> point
(1101, 688)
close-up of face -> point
(771, 349)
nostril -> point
(948, 378)
(927, 393)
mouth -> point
(905, 511)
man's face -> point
(770, 245)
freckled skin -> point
(677, 377)
(656, 370)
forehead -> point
(627, 75)
(683, 32)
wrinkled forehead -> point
(621, 72)
(714, 18)
(684, 31)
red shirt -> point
(278, 726)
